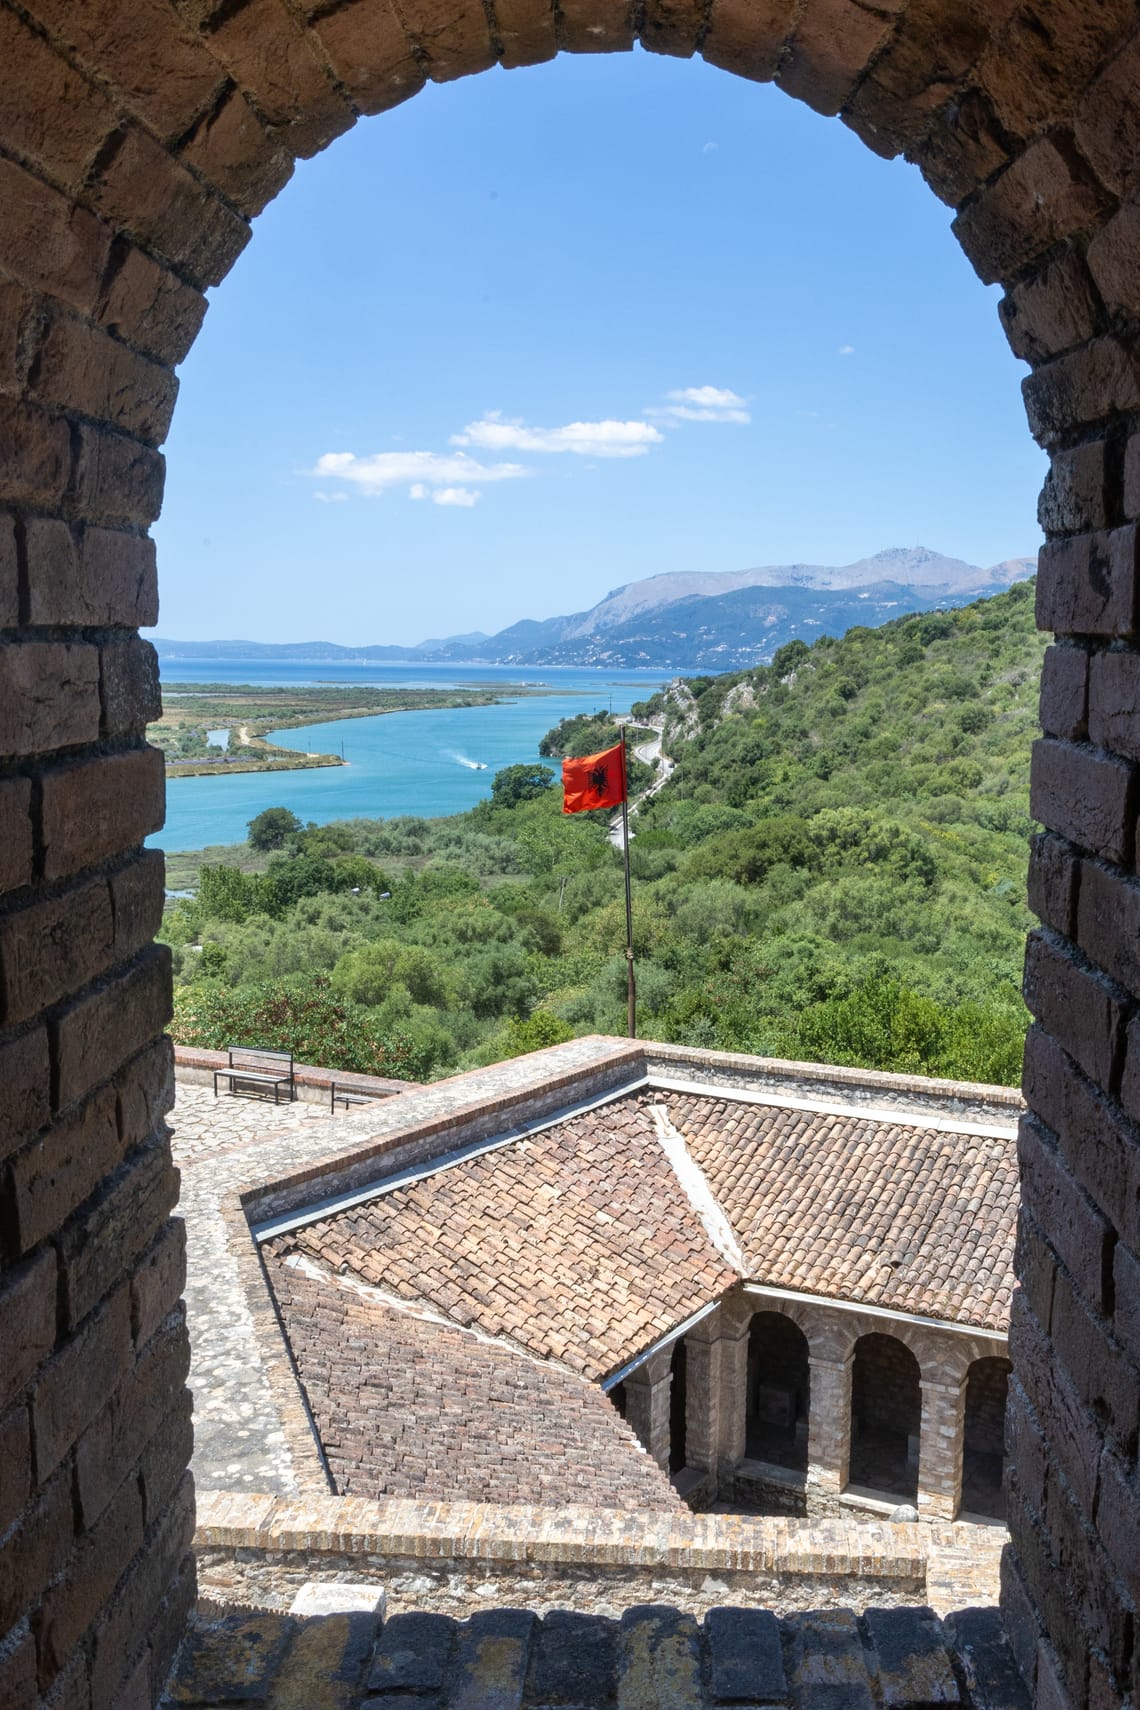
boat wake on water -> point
(463, 760)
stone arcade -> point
(137, 139)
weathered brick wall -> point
(136, 139)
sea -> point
(427, 763)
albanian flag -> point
(594, 781)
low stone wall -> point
(195, 1068)
(459, 1557)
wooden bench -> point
(252, 1071)
(340, 1094)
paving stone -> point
(914, 1670)
(659, 1660)
(491, 1660)
(829, 1664)
(232, 1660)
(413, 1652)
(573, 1660)
(992, 1677)
(746, 1662)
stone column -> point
(829, 1424)
(647, 1392)
(940, 1449)
(733, 1398)
(702, 1394)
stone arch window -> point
(678, 1397)
(886, 1417)
(779, 1392)
(983, 1446)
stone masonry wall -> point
(137, 139)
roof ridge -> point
(695, 1186)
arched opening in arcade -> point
(983, 1442)
(886, 1417)
(779, 1392)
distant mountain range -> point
(682, 620)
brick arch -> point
(137, 139)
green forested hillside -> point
(834, 871)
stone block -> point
(1092, 384)
(659, 1660)
(159, 1581)
(326, 1661)
(147, 193)
(1054, 871)
(746, 1663)
(33, 1552)
(146, 1092)
(9, 557)
(1108, 914)
(668, 26)
(274, 62)
(1114, 702)
(49, 950)
(829, 50)
(1132, 476)
(1064, 693)
(573, 1658)
(100, 578)
(1056, 1201)
(1074, 499)
(57, 1170)
(413, 1653)
(95, 808)
(49, 113)
(35, 449)
(129, 687)
(118, 480)
(150, 307)
(15, 1466)
(28, 1315)
(827, 1652)
(16, 848)
(370, 52)
(1073, 1442)
(1102, 1374)
(1045, 196)
(116, 1226)
(231, 149)
(1035, 1266)
(320, 1597)
(98, 1033)
(81, 369)
(910, 1650)
(1114, 258)
(1089, 798)
(73, 1603)
(49, 696)
(1077, 1006)
(1088, 585)
(1107, 124)
(491, 1655)
(748, 38)
(49, 243)
(1126, 1282)
(137, 897)
(76, 1385)
(168, 84)
(1096, 1142)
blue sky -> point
(539, 333)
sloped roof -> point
(578, 1243)
(406, 1406)
(879, 1210)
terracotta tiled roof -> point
(406, 1407)
(578, 1243)
(882, 1212)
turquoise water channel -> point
(424, 763)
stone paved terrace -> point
(653, 1658)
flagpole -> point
(631, 985)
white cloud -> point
(586, 439)
(425, 474)
(846, 350)
(710, 148)
(331, 498)
(703, 404)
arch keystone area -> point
(137, 140)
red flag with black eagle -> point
(594, 780)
